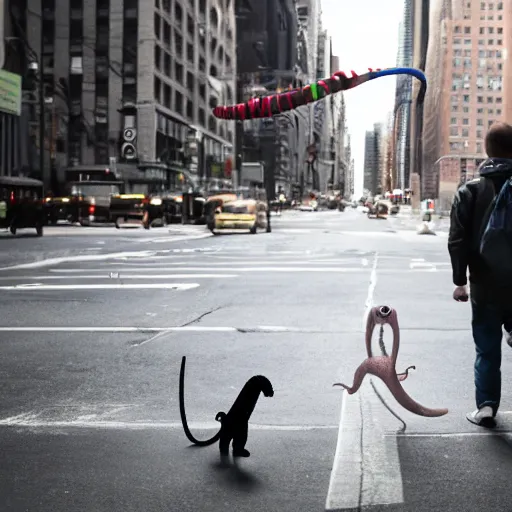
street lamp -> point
(35, 67)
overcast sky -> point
(364, 35)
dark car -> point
(21, 204)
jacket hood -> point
(496, 166)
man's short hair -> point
(498, 141)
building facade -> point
(403, 98)
(267, 59)
(134, 81)
(373, 160)
(467, 97)
(421, 9)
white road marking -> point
(143, 329)
(147, 286)
(366, 469)
(99, 257)
(238, 269)
(371, 290)
(121, 276)
(32, 421)
(495, 432)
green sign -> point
(10, 93)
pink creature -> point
(384, 366)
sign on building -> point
(10, 93)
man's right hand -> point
(460, 294)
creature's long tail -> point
(411, 405)
(189, 435)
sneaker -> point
(483, 417)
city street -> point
(95, 321)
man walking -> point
(491, 297)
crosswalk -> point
(183, 269)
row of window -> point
(163, 94)
(482, 54)
(479, 122)
(459, 146)
(481, 42)
(482, 64)
(480, 110)
(466, 98)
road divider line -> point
(33, 421)
(121, 275)
(142, 329)
(97, 257)
(371, 290)
(98, 286)
(366, 469)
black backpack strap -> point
(483, 205)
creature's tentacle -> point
(189, 435)
(408, 403)
(358, 378)
(402, 376)
(273, 105)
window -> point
(479, 147)
(465, 98)
(489, 99)
(190, 109)
(167, 96)
(158, 57)
(157, 89)
(457, 29)
(456, 41)
(490, 30)
(467, 41)
(498, 111)
(454, 131)
(467, 30)
(465, 132)
(479, 110)
(479, 99)
(76, 66)
(479, 122)
(178, 102)
(465, 122)
(178, 73)
(479, 134)
(453, 120)
(465, 110)
(482, 30)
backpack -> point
(495, 236)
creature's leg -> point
(239, 440)
(358, 378)
(225, 439)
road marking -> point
(371, 290)
(143, 329)
(147, 286)
(121, 276)
(32, 421)
(97, 257)
(495, 432)
(242, 269)
(366, 469)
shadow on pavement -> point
(231, 472)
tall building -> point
(466, 98)
(267, 56)
(134, 81)
(14, 117)
(403, 99)
(420, 10)
(373, 159)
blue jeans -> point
(487, 323)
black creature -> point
(234, 424)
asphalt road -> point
(92, 343)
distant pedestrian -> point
(490, 284)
